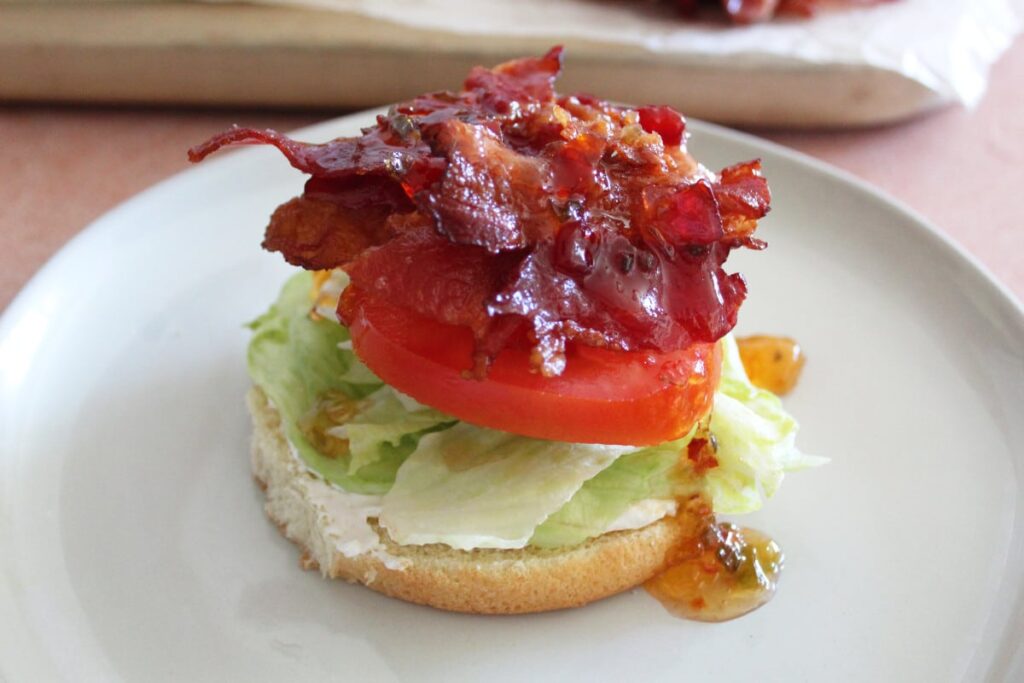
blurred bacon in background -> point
(853, 63)
(751, 11)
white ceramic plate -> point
(133, 545)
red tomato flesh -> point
(603, 396)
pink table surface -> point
(60, 168)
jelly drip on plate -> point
(772, 363)
(332, 408)
(723, 573)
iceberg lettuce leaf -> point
(649, 474)
(384, 419)
(296, 360)
(756, 440)
(470, 487)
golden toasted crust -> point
(479, 581)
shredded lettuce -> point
(384, 419)
(470, 487)
(756, 440)
(648, 474)
(296, 360)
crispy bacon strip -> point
(488, 195)
(743, 197)
(377, 152)
(318, 235)
(521, 80)
(527, 218)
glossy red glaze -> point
(665, 121)
(504, 207)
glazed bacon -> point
(754, 11)
(531, 219)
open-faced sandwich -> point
(504, 380)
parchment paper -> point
(946, 45)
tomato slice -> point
(603, 396)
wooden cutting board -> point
(182, 53)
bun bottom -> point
(484, 581)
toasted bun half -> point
(478, 581)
